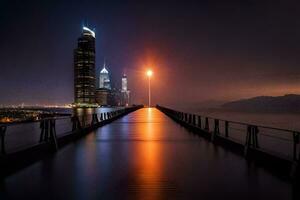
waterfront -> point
(144, 155)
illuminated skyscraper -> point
(124, 91)
(104, 80)
(124, 82)
(84, 69)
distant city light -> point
(89, 30)
(149, 73)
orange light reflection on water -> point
(148, 159)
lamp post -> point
(149, 74)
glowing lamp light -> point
(149, 73)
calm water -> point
(279, 120)
(144, 155)
(22, 135)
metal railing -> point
(282, 143)
(16, 137)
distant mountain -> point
(286, 103)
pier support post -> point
(2, 137)
(251, 138)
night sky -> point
(198, 51)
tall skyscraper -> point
(84, 69)
(104, 80)
(124, 91)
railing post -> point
(48, 132)
(296, 139)
(247, 143)
(44, 130)
(75, 123)
(251, 138)
(194, 120)
(185, 117)
(2, 137)
(95, 119)
(226, 128)
(295, 170)
(255, 138)
(53, 134)
(206, 127)
(83, 121)
(190, 119)
(216, 129)
(101, 116)
(177, 116)
(199, 122)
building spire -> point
(104, 70)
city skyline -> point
(197, 48)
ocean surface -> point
(277, 120)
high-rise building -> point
(84, 69)
(124, 91)
(102, 96)
(104, 80)
(124, 82)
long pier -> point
(145, 155)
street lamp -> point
(149, 74)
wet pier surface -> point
(144, 155)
